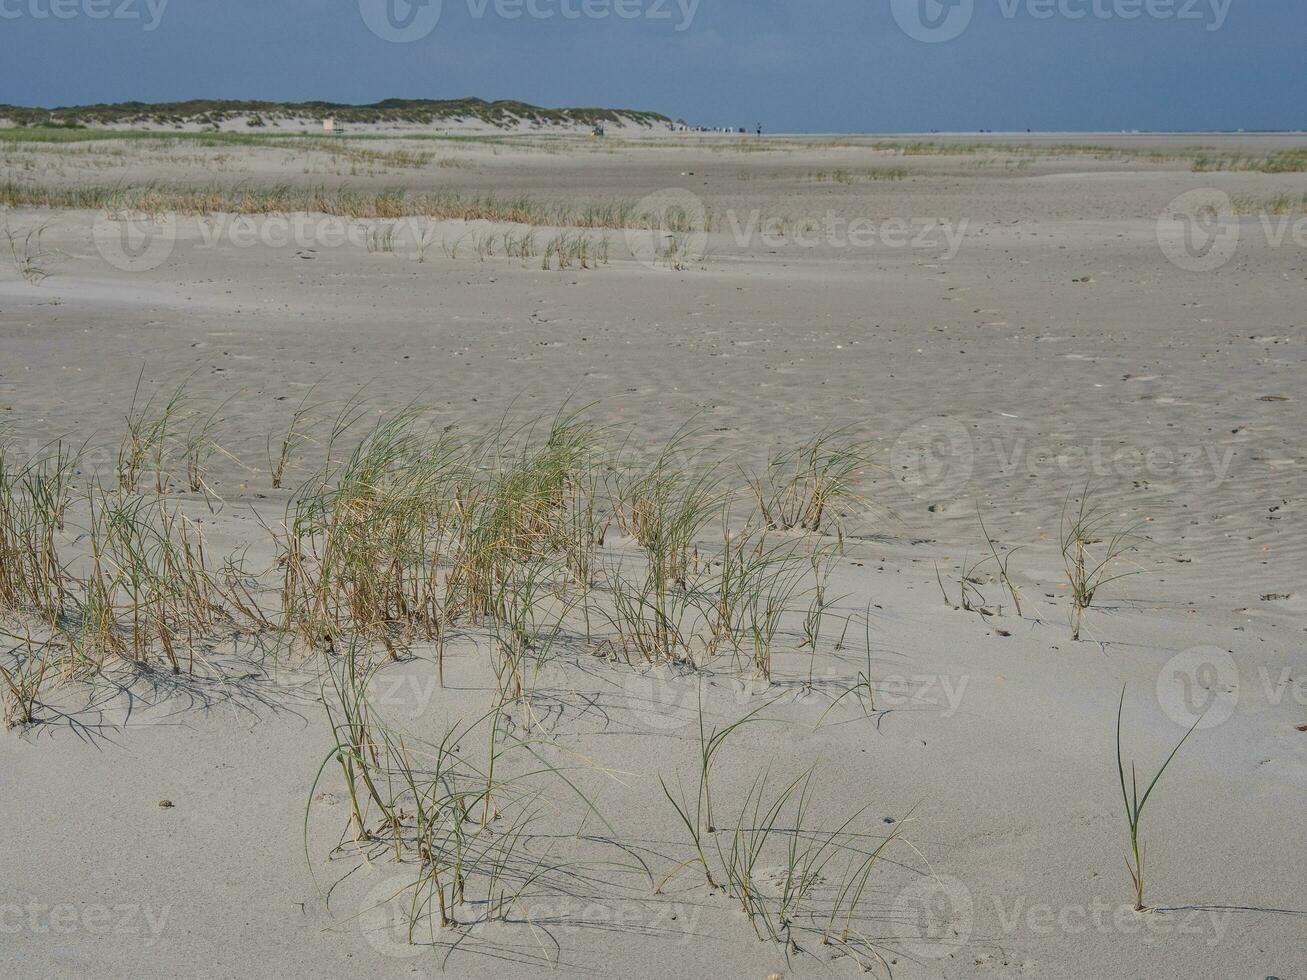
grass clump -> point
(458, 819)
(1090, 551)
(1274, 204)
(359, 537)
(343, 201)
(971, 598)
(149, 590)
(1291, 161)
(664, 508)
(806, 488)
(536, 545)
(568, 249)
(28, 252)
(149, 438)
(34, 496)
(23, 678)
(777, 860)
(407, 530)
(281, 450)
(855, 176)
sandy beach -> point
(988, 330)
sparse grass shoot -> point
(1134, 805)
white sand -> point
(1056, 346)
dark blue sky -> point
(801, 65)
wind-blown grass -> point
(1279, 162)
(407, 530)
(806, 487)
(854, 176)
(1270, 204)
(775, 859)
(538, 541)
(1090, 551)
(459, 822)
(337, 201)
(28, 253)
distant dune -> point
(398, 115)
